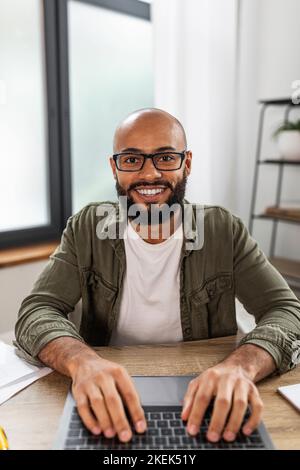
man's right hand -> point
(99, 389)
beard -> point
(153, 213)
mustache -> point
(154, 183)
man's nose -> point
(149, 171)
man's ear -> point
(113, 167)
(188, 162)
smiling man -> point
(146, 287)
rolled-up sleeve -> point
(266, 295)
(43, 315)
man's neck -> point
(158, 233)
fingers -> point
(221, 408)
(240, 402)
(256, 411)
(189, 399)
(109, 408)
(232, 395)
(116, 410)
(201, 400)
(98, 388)
(98, 405)
(85, 413)
(127, 389)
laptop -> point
(161, 398)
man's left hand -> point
(233, 389)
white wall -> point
(268, 63)
(279, 55)
(15, 283)
(195, 79)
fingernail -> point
(96, 430)
(229, 436)
(140, 426)
(247, 430)
(193, 429)
(212, 436)
(109, 432)
(125, 435)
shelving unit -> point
(289, 268)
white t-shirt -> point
(150, 303)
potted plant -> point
(288, 139)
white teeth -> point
(150, 191)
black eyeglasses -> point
(163, 161)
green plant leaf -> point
(287, 126)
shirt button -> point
(211, 291)
(224, 282)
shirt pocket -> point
(197, 302)
(213, 307)
(98, 302)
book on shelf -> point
(292, 211)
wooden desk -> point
(31, 417)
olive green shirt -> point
(229, 264)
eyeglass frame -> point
(149, 155)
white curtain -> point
(195, 62)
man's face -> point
(150, 135)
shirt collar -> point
(116, 220)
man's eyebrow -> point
(159, 149)
(162, 149)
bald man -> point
(144, 288)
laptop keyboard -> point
(165, 430)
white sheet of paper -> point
(292, 394)
(13, 367)
(16, 373)
(8, 391)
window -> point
(27, 210)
